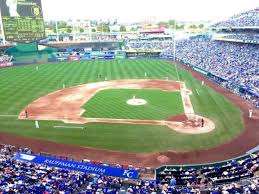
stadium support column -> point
(2, 27)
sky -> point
(145, 10)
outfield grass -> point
(113, 104)
(19, 86)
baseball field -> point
(21, 86)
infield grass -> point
(112, 103)
(19, 86)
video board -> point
(22, 20)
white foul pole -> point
(73, 30)
(174, 39)
(175, 51)
(90, 30)
(57, 31)
(2, 28)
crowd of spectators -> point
(150, 45)
(5, 61)
(234, 170)
(24, 177)
(251, 38)
(6, 43)
(237, 63)
(5, 58)
(246, 19)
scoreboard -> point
(22, 20)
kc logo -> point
(128, 173)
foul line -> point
(197, 92)
(9, 115)
(70, 127)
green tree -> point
(171, 22)
(69, 30)
(93, 30)
(62, 24)
(193, 26)
(102, 27)
(162, 23)
(107, 29)
(180, 27)
(201, 26)
(123, 28)
(81, 30)
(133, 29)
(51, 26)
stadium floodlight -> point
(90, 31)
(57, 35)
(2, 28)
(175, 51)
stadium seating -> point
(21, 177)
(149, 45)
(231, 172)
(5, 61)
(251, 38)
(246, 19)
(235, 62)
(5, 58)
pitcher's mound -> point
(136, 102)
